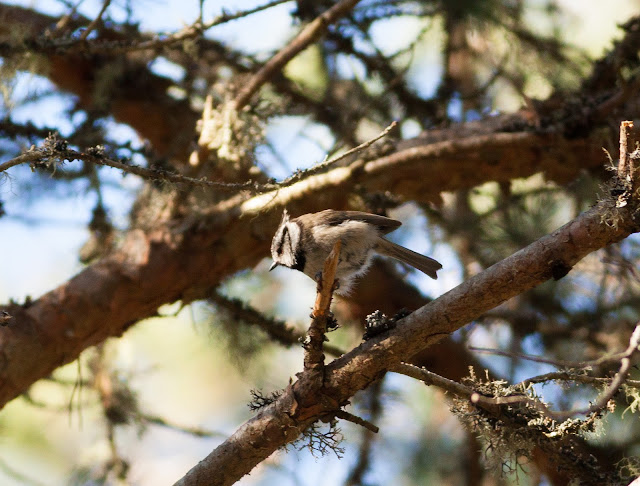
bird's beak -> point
(273, 265)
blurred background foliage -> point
(144, 408)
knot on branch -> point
(377, 323)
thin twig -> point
(364, 461)
(191, 31)
(36, 156)
(65, 20)
(574, 377)
(95, 21)
(342, 414)
(616, 383)
(277, 330)
(195, 431)
(32, 155)
(626, 183)
(309, 34)
(491, 403)
(555, 362)
(328, 163)
(625, 150)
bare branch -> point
(47, 155)
(357, 420)
(555, 362)
(189, 32)
(31, 156)
(195, 431)
(94, 23)
(574, 377)
(309, 35)
(313, 343)
(626, 147)
(328, 163)
(614, 386)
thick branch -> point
(527, 268)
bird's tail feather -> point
(423, 263)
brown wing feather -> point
(334, 218)
(423, 263)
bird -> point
(304, 243)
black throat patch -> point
(301, 259)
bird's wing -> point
(334, 218)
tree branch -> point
(49, 155)
(94, 23)
(314, 342)
(309, 35)
(494, 403)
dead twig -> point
(616, 383)
(626, 175)
(625, 141)
(122, 45)
(27, 157)
(573, 377)
(341, 414)
(194, 431)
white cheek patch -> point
(277, 238)
(291, 242)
